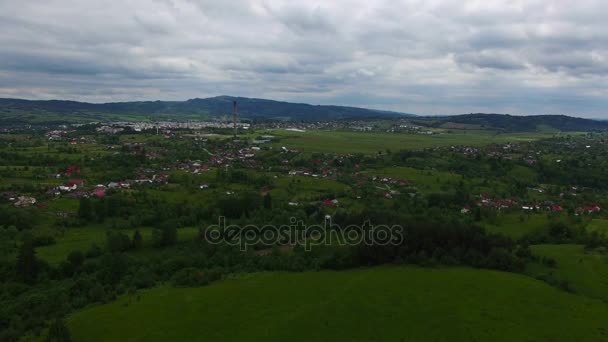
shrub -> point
(43, 240)
(117, 242)
(190, 277)
(76, 258)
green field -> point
(586, 272)
(429, 180)
(385, 303)
(518, 225)
(353, 142)
(306, 188)
(599, 225)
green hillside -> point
(387, 303)
(515, 123)
(585, 272)
(26, 111)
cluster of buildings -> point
(486, 200)
(166, 126)
(56, 134)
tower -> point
(235, 117)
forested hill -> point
(514, 123)
(16, 110)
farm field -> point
(353, 142)
(400, 303)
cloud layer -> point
(421, 56)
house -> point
(99, 192)
(78, 194)
(71, 185)
(71, 169)
(330, 203)
(24, 201)
(327, 202)
(162, 178)
(204, 186)
(75, 182)
(557, 208)
(592, 209)
(9, 195)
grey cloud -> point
(305, 21)
(492, 59)
(411, 55)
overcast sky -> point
(426, 57)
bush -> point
(143, 278)
(190, 277)
(58, 332)
(76, 258)
(93, 252)
(44, 240)
(117, 242)
(97, 293)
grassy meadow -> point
(585, 272)
(385, 303)
(353, 142)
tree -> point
(7, 240)
(168, 235)
(189, 277)
(27, 263)
(267, 201)
(97, 293)
(59, 332)
(85, 210)
(76, 258)
(117, 242)
(156, 238)
(137, 241)
(477, 214)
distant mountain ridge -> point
(519, 123)
(251, 108)
(18, 111)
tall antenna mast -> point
(235, 117)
